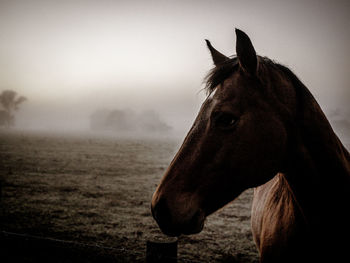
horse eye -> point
(225, 120)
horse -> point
(260, 127)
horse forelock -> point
(218, 74)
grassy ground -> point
(97, 192)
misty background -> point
(74, 60)
(105, 68)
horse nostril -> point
(160, 211)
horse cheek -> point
(269, 156)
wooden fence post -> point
(162, 251)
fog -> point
(71, 58)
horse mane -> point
(218, 74)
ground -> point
(96, 192)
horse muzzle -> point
(177, 221)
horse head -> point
(238, 141)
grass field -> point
(97, 191)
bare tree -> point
(9, 102)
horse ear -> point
(217, 57)
(246, 53)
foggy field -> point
(97, 191)
(132, 68)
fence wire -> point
(70, 243)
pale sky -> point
(72, 57)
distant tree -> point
(150, 121)
(121, 120)
(9, 102)
(98, 119)
(126, 120)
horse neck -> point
(319, 165)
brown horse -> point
(261, 127)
